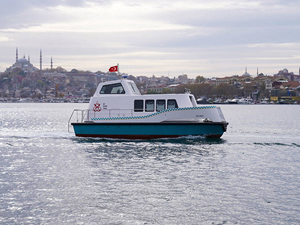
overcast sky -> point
(214, 38)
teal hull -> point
(149, 130)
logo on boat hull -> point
(97, 107)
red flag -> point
(113, 69)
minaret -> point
(41, 60)
(17, 58)
(51, 64)
(28, 59)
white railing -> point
(78, 116)
(110, 113)
(85, 115)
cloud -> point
(4, 39)
(193, 36)
(279, 2)
(23, 14)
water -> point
(250, 176)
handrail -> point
(78, 112)
(109, 113)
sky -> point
(214, 38)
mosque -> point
(25, 64)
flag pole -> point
(118, 70)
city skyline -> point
(42, 66)
(214, 39)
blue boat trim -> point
(149, 130)
(153, 114)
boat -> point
(218, 101)
(264, 101)
(232, 101)
(202, 100)
(245, 101)
(118, 110)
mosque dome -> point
(246, 74)
(23, 60)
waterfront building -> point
(233, 80)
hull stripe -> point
(150, 115)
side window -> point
(149, 106)
(172, 104)
(112, 89)
(160, 105)
(138, 105)
(134, 88)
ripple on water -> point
(48, 176)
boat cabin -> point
(124, 95)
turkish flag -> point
(113, 69)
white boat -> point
(245, 101)
(232, 101)
(118, 110)
(265, 101)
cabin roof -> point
(126, 87)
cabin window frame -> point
(138, 105)
(158, 101)
(172, 100)
(134, 88)
(116, 88)
(147, 104)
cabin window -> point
(160, 105)
(194, 104)
(149, 106)
(138, 105)
(134, 88)
(172, 104)
(112, 89)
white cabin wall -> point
(119, 101)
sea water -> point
(49, 176)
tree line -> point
(224, 91)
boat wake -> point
(181, 140)
(278, 144)
(32, 134)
